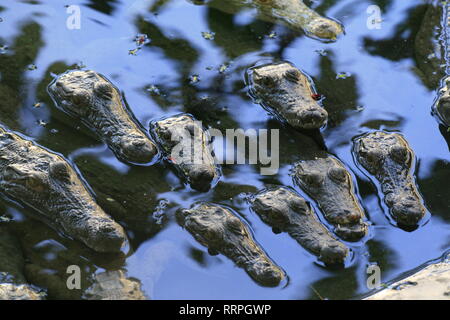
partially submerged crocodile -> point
(292, 13)
(285, 211)
(330, 185)
(92, 98)
(13, 285)
(46, 182)
(388, 158)
(441, 107)
(114, 285)
(221, 231)
(286, 91)
(188, 147)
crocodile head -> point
(47, 183)
(329, 183)
(222, 232)
(289, 92)
(98, 103)
(388, 157)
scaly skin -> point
(114, 285)
(330, 185)
(46, 182)
(13, 284)
(92, 98)
(292, 13)
(218, 229)
(442, 105)
(286, 211)
(286, 90)
(196, 162)
(388, 157)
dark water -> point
(390, 86)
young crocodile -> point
(13, 285)
(221, 231)
(285, 211)
(330, 185)
(287, 92)
(187, 146)
(388, 157)
(92, 98)
(46, 182)
(292, 13)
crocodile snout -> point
(334, 254)
(408, 212)
(313, 118)
(265, 273)
(201, 178)
(137, 150)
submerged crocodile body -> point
(221, 231)
(188, 147)
(286, 211)
(13, 285)
(294, 14)
(46, 182)
(441, 107)
(388, 157)
(286, 91)
(114, 285)
(92, 98)
(330, 185)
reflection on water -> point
(391, 82)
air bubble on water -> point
(42, 123)
(208, 35)
(359, 108)
(5, 219)
(54, 131)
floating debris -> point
(194, 78)
(208, 35)
(153, 90)
(316, 96)
(37, 105)
(223, 67)
(80, 65)
(273, 35)
(343, 75)
(42, 123)
(134, 52)
(5, 219)
(54, 131)
(3, 49)
(141, 39)
(32, 67)
(321, 52)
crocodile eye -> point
(312, 179)
(59, 170)
(234, 225)
(399, 153)
(374, 157)
(292, 75)
(338, 174)
(298, 204)
(103, 89)
(267, 81)
(80, 98)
